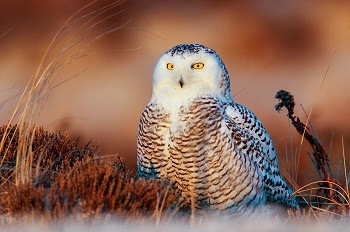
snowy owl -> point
(194, 134)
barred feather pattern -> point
(275, 187)
(211, 156)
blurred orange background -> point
(266, 46)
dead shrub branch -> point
(333, 191)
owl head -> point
(190, 70)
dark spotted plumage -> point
(189, 48)
(215, 150)
(203, 161)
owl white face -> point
(183, 75)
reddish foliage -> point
(77, 182)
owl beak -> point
(181, 82)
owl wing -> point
(262, 152)
(244, 118)
(151, 161)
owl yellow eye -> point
(197, 65)
(169, 66)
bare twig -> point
(319, 157)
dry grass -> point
(49, 176)
(78, 183)
(71, 42)
(328, 195)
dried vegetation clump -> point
(76, 182)
(327, 195)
